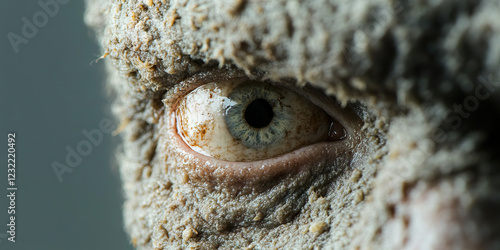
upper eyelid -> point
(190, 83)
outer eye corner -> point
(336, 132)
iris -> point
(258, 116)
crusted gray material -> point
(422, 165)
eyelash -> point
(206, 168)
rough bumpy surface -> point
(423, 74)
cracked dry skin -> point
(420, 169)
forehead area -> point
(316, 41)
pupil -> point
(259, 113)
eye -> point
(222, 127)
(243, 120)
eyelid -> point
(174, 94)
(205, 168)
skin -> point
(417, 170)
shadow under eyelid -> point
(348, 116)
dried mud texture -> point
(422, 74)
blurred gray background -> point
(49, 92)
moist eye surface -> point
(242, 120)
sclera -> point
(201, 121)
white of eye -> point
(213, 120)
